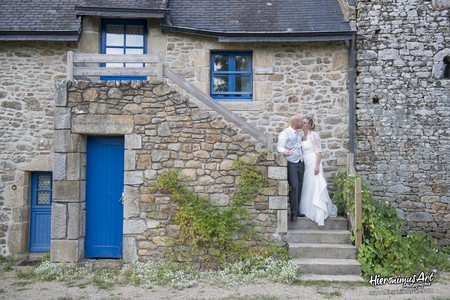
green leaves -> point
(385, 251)
(219, 231)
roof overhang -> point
(63, 36)
(268, 37)
(108, 12)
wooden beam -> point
(115, 58)
(350, 164)
(100, 71)
(358, 212)
(70, 65)
(219, 108)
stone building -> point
(402, 108)
(293, 57)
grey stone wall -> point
(306, 78)
(27, 74)
(403, 112)
(162, 131)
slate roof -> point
(122, 9)
(58, 19)
(253, 20)
(38, 20)
(228, 20)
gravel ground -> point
(12, 287)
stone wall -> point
(306, 78)
(27, 74)
(162, 131)
(403, 113)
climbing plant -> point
(385, 251)
(219, 231)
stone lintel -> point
(102, 124)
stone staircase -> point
(325, 252)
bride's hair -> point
(311, 122)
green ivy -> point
(385, 251)
(218, 231)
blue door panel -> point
(104, 187)
(40, 215)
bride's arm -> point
(318, 150)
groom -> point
(289, 143)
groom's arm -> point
(282, 140)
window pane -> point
(43, 198)
(134, 51)
(114, 35)
(135, 36)
(242, 63)
(242, 83)
(44, 182)
(220, 63)
(221, 83)
(114, 51)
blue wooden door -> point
(41, 206)
(104, 187)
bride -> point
(315, 202)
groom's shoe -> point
(300, 215)
(293, 218)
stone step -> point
(338, 223)
(310, 250)
(335, 278)
(319, 236)
(328, 266)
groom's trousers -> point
(295, 179)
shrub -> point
(384, 250)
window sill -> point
(244, 105)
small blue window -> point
(123, 37)
(231, 76)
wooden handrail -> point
(265, 139)
(356, 221)
(77, 65)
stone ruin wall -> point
(402, 109)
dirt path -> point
(11, 287)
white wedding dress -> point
(315, 202)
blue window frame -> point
(231, 75)
(123, 37)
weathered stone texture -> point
(28, 71)
(163, 131)
(402, 110)
(306, 78)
